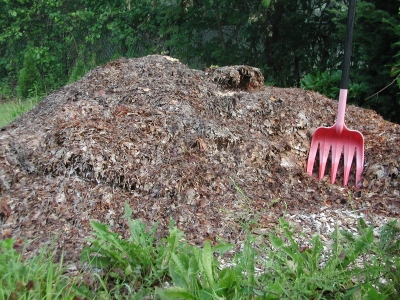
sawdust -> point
(176, 143)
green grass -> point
(36, 278)
(354, 266)
(12, 109)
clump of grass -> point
(36, 278)
(12, 109)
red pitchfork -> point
(339, 137)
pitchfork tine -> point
(323, 157)
(360, 164)
(348, 155)
(311, 158)
(336, 153)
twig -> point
(384, 87)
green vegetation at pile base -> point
(275, 266)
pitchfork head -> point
(338, 137)
(329, 138)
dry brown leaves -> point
(173, 142)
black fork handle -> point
(347, 46)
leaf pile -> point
(175, 143)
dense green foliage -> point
(271, 266)
(286, 39)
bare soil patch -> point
(171, 142)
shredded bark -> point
(178, 144)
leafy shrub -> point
(328, 84)
(196, 274)
(29, 78)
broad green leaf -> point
(172, 242)
(276, 242)
(208, 294)
(194, 268)
(174, 293)
(362, 225)
(207, 258)
(266, 3)
(223, 248)
(178, 270)
(227, 278)
(373, 294)
(274, 288)
(101, 262)
(316, 252)
(351, 292)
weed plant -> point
(353, 266)
(134, 265)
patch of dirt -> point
(175, 143)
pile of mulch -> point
(209, 149)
